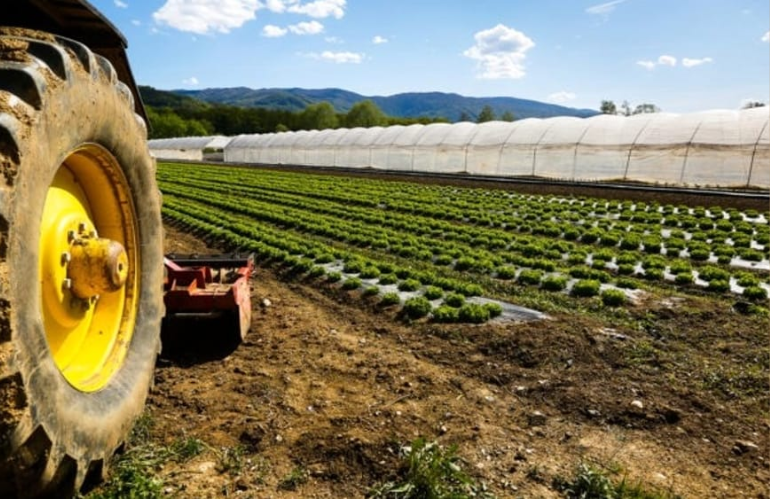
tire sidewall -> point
(83, 109)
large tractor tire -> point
(81, 264)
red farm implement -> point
(208, 301)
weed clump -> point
(429, 470)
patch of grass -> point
(294, 479)
(429, 470)
(642, 352)
(230, 460)
(591, 482)
(133, 475)
(134, 472)
(140, 433)
(184, 449)
(745, 380)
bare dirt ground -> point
(326, 387)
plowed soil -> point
(326, 387)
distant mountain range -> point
(406, 105)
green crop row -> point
(456, 238)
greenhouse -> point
(186, 148)
(714, 148)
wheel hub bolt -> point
(96, 266)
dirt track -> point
(327, 386)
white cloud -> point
(190, 81)
(377, 40)
(338, 57)
(343, 57)
(664, 60)
(603, 9)
(689, 63)
(561, 97)
(333, 39)
(667, 60)
(646, 64)
(766, 38)
(307, 28)
(500, 52)
(120, 4)
(277, 6)
(136, 22)
(318, 8)
(303, 28)
(272, 31)
(205, 16)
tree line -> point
(187, 119)
(625, 109)
(172, 115)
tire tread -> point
(32, 460)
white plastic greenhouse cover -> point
(188, 143)
(188, 148)
(713, 148)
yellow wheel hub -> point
(88, 267)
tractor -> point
(81, 255)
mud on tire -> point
(55, 97)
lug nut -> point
(66, 258)
(67, 284)
(70, 236)
(82, 227)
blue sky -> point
(682, 55)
